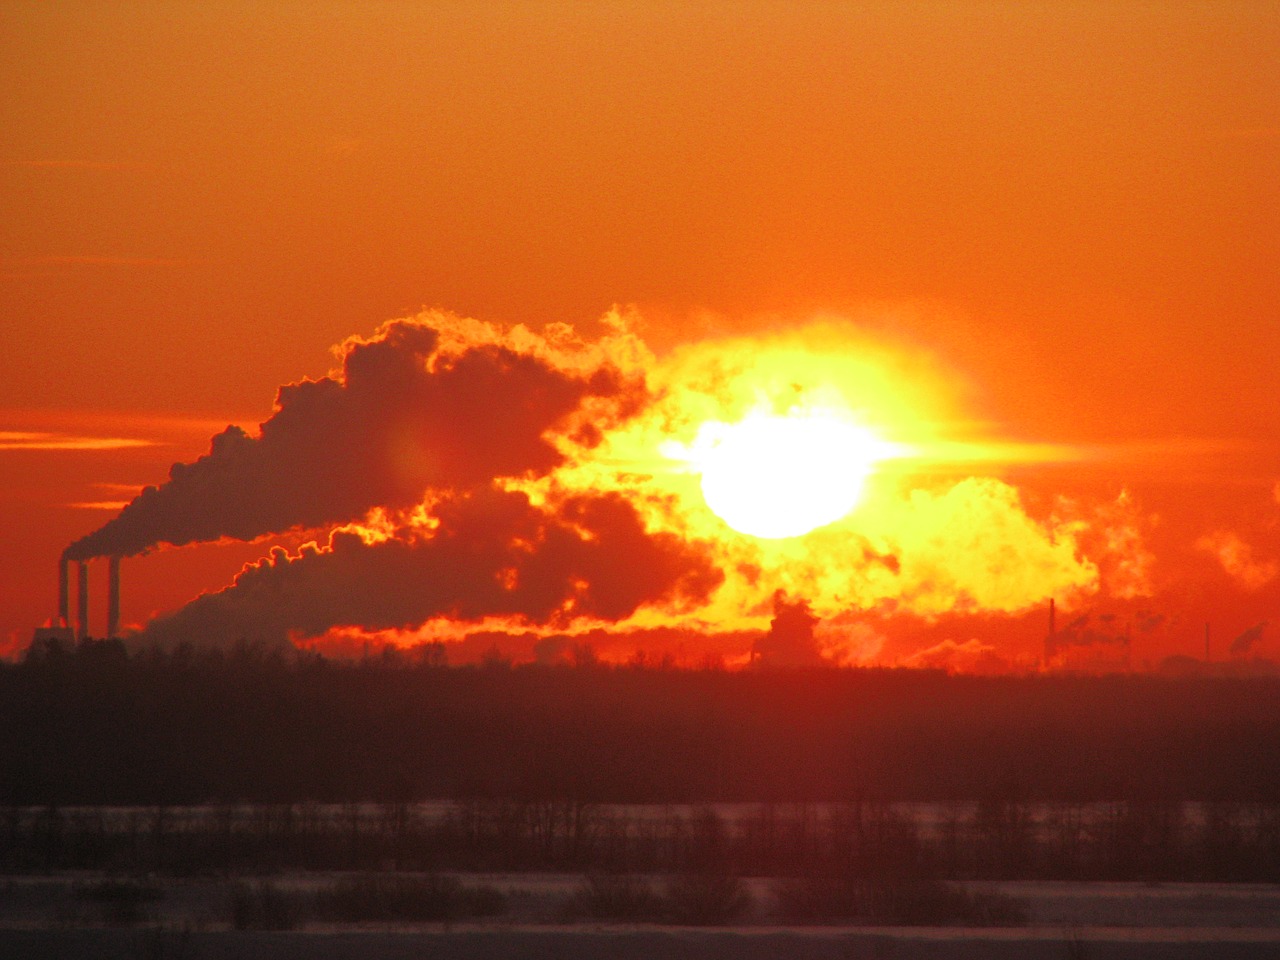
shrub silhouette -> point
(706, 899)
(266, 906)
(616, 896)
(405, 898)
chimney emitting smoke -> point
(113, 596)
(82, 616)
(64, 592)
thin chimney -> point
(1206, 641)
(82, 618)
(113, 596)
(64, 592)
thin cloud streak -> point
(22, 427)
(17, 440)
(1131, 452)
(132, 489)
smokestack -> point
(64, 591)
(1206, 642)
(82, 617)
(113, 596)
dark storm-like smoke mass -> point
(493, 554)
(1243, 644)
(404, 415)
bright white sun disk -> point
(781, 476)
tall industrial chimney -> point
(113, 596)
(82, 617)
(1206, 642)
(64, 592)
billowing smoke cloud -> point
(410, 410)
(1111, 534)
(790, 641)
(1087, 630)
(493, 553)
(542, 484)
(972, 656)
(1243, 644)
(1237, 559)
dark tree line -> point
(1126, 840)
(95, 725)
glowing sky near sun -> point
(1033, 245)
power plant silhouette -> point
(62, 628)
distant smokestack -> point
(1206, 642)
(82, 617)
(113, 596)
(64, 592)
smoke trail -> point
(1237, 559)
(492, 554)
(1244, 643)
(407, 412)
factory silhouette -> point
(62, 628)
(789, 642)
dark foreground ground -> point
(523, 943)
(50, 917)
(94, 726)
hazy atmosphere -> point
(1028, 252)
(660, 464)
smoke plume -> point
(1244, 643)
(408, 411)
(790, 641)
(972, 656)
(456, 473)
(1237, 559)
(493, 553)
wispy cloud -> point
(23, 440)
(126, 490)
(157, 429)
(130, 490)
(119, 490)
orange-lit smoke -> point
(603, 454)
(922, 539)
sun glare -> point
(776, 476)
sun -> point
(774, 476)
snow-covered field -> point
(655, 943)
(48, 916)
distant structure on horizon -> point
(60, 628)
(1072, 652)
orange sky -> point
(1073, 209)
